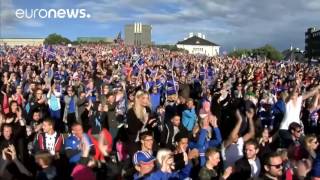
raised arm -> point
(318, 105)
(310, 93)
(234, 133)
(315, 104)
(251, 132)
(22, 169)
(218, 138)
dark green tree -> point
(270, 52)
(267, 51)
(56, 39)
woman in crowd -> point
(139, 119)
(311, 145)
(265, 146)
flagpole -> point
(174, 83)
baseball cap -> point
(142, 157)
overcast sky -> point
(230, 23)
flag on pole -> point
(49, 52)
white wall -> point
(199, 49)
(22, 41)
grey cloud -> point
(7, 16)
(231, 23)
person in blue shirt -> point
(155, 98)
(144, 164)
(165, 159)
(209, 136)
(74, 144)
(53, 97)
(189, 116)
(278, 111)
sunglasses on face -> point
(298, 131)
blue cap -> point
(142, 157)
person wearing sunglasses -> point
(311, 145)
(273, 167)
(293, 135)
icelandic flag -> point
(137, 66)
(148, 85)
(159, 83)
(49, 52)
(71, 51)
(171, 87)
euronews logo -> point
(52, 13)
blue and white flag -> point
(49, 52)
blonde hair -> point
(283, 153)
(139, 110)
(308, 140)
(162, 153)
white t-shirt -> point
(50, 142)
(292, 114)
(255, 167)
(232, 153)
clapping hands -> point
(213, 121)
(9, 153)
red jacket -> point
(59, 141)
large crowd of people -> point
(122, 112)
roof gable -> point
(195, 40)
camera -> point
(156, 122)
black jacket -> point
(167, 135)
(134, 126)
